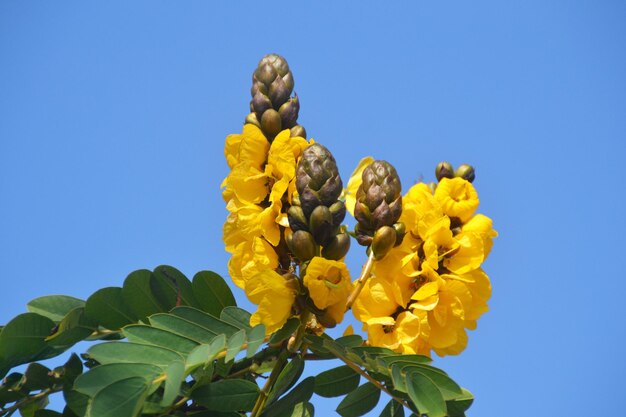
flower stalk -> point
(360, 282)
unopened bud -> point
(327, 320)
(297, 219)
(252, 119)
(279, 93)
(338, 212)
(270, 123)
(400, 229)
(444, 170)
(299, 131)
(384, 239)
(466, 172)
(337, 248)
(302, 245)
(260, 103)
(289, 113)
(265, 72)
(321, 224)
(363, 236)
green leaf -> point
(205, 353)
(55, 307)
(126, 352)
(359, 401)
(304, 409)
(284, 332)
(236, 316)
(23, 340)
(70, 370)
(425, 395)
(352, 340)
(74, 327)
(141, 333)
(171, 288)
(175, 375)
(234, 345)
(212, 292)
(286, 379)
(47, 413)
(137, 294)
(29, 409)
(36, 377)
(227, 395)
(256, 337)
(207, 321)
(107, 307)
(457, 408)
(102, 376)
(182, 327)
(387, 361)
(335, 382)
(393, 409)
(285, 406)
(120, 399)
(450, 390)
(76, 402)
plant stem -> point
(29, 400)
(360, 283)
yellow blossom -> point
(457, 197)
(400, 334)
(375, 300)
(275, 297)
(482, 225)
(249, 147)
(355, 182)
(249, 258)
(328, 282)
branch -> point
(8, 411)
(360, 283)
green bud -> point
(321, 225)
(400, 229)
(326, 320)
(466, 172)
(270, 123)
(302, 245)
(338, 212)
(260, 103)
(297, 219)
(299, 131)
(317, 178)
(444, 170)
(252, 119)
(337, 248)
(363, 236)
(384, 240)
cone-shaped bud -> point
(317, 178)
(466, 172)
(297, 220)
(270, 123)
(337, 248)
(302, 245)
(363, 236)
(379, 198)
(384, 240)
(327, 320)
(444, 170)
(299, 131)
(321, 225)
(289, 113)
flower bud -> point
(270, 123)
(278, 92)
(252, 119)
(400, 229)
(321, 225)
(297, 219)
(466, 172)
(338, 212)
(289, 113)
(302, 245)
(299, 131)
(337, 248)
(444, 170)
(384, 240)
(259, 104)
(317, 178)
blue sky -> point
(112, 121)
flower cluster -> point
(428, 290)
(258, 192)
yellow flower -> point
(482, 225)
(375, 300)
(457, 198)
(355, 182)
(328, 282)
(400, 334)
(275, 297)
(249, 258)
(247, 184)
(250, 147)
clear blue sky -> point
(112, 121)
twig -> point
(29, 400)
(360, 283)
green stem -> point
(360, 283)
(9, 411)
